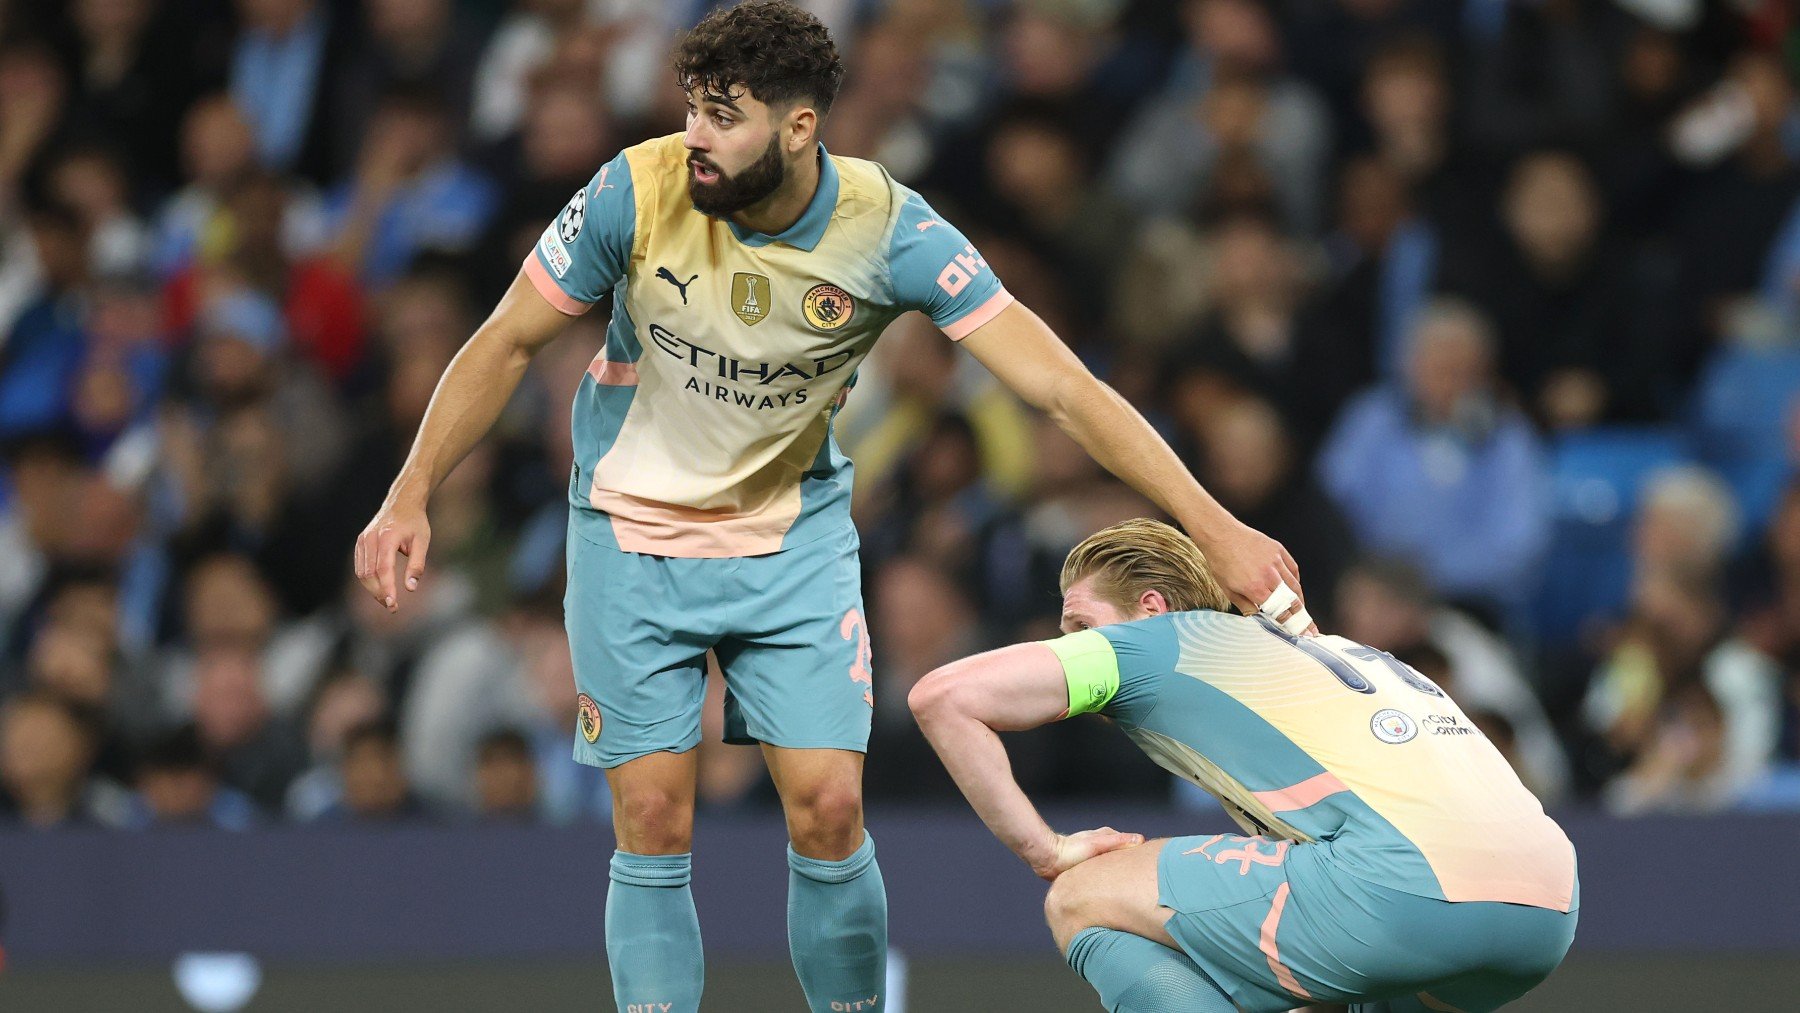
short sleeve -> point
(936, 270)
(586, 249)
(1115, 670)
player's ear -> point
(1153, 603)
(800, 130)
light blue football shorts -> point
(787, 628)
(1277, 926)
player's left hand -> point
(1069, 850)
(1252, 567)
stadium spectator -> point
(1562, 300)
(1682, 767)
(1249, 461)
(45, 343)
(136, 67)
(257, 236)
(91, 181)
(254, 751)
(1228, 99)
(375, 784)
(521, 45)
(47, 747)
(410, 192)
(505, 778)
(1687, 524)
(343, 699)
(287, 55)
(177, 786)
(1674, 647)
(1442, 472)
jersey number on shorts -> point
(854, 626)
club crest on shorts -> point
(587, 717)
(827, 307)
(750, 297)
(1392, 726)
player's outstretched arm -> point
(1026, 355)
(961, 706)
(469, 397)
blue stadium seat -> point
(1741, 406)
(1596, 479)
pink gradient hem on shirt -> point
(613, 374)
(966, 326)
(1309, 792)
(548, 288)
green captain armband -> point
(1090, 666)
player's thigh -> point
(796, 655)
(1234, 916)
(1117, 890)
(638, 646)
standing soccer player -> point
(750, 271)
(1396, 862)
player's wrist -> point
(1040, 850)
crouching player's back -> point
(1390, 856)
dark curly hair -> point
(778, 51)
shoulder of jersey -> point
(659, 165)
(866, 189)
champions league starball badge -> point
(573, 216)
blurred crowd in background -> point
(1488, 310)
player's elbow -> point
(935, 697)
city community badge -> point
(1392, 726)
(750, 297)
(827, 307)
(587, 717)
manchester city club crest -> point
(827, 307)
(587, 717)
(750, 297)
(573, 216)
(1393, 727)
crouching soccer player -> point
(1393, 860)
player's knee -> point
(652, 820)
(1066, 908)
(825, 821)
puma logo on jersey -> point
(928, 223)
(680, 286)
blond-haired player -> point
(1390, 858)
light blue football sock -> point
(837, 930)
(1135, 975)
(653, 934)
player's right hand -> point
(1071, 850)
(399, 527)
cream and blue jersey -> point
(704, 429)
(1326, 740)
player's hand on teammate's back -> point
(399, 527)
(1069, 850)
(1252, 565)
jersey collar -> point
(806, 232)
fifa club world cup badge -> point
(750, 297)
(587, 717)
(827, 307)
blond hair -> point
(1142, 555)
